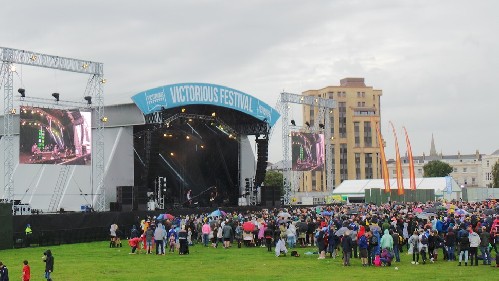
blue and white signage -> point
(183, 94)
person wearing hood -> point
(49, 264)
(159, 236)
(474, 243)
(346, 245)
(387, 241)
(374, 242)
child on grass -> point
(26, 271)
(135, 243)
(172, 243)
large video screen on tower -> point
(55, 136)
(307, 151)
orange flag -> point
(412, 174)
(400, 179)
(386, 176)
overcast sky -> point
(436, 61)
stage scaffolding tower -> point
(9, 58)
(325, 107)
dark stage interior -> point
(197, 152)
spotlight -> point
(22, 92)
(202, 146)
(104, 119)
(183, 110)
(56, 96)
(171, 154)
(12, 68)
(84, 66)
(33, 57)
(187, 137)
(103, 81)
(293, 122)
(88, 99)
(308, 124)
(213, 114)
(321, 126)
(13, 111)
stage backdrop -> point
(176, 95)
(307, 151)
(55, 136)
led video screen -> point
(55, 136)
(307, 151)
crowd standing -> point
(377, 235)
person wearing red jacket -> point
(134, 243)
(26, 271)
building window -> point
(358, 94)
(465, 170)
(368, 140)
(420, 171)
(342, 112)
(343, 162)
(333, 165)
(363, 94)
(455, 170)
(369, 165)
(357, 166)
(356, 129)
(488, 163)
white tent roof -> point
(357, 187)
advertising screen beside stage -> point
(55, 136)
(307, 151)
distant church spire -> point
(433, 151)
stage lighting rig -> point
(22, 92)
(88, 99)
(56, 96)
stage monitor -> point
(55, 136)
(307, 151)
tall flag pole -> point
(412, 174)
(400, 179)
(386, 176)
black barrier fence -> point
(68, 228)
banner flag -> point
(384, 167)
(400, 179)
(412, 174)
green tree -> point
(273, 178)
(436, 168)
(495, 175)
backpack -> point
(401, 240)
(373, 241)
(424, 239)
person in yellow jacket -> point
(28, 232)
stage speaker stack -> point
(271, 196)
(262, 159)
(6, 230)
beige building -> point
(469, 170)
(354, 144)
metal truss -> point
(9, 57)
(256, 128)
(324, 109)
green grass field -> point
(96, 261)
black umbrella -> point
(489, 212)
(302, 226)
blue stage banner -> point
(183, 94)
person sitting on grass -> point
(280, 248)
(386, 257)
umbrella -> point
(327, 213)
(248, 226)
(284, 215)
(425, 215)
(165, 217)
(418, 210)
(217, 213)
(302, 226)
(341, 231)
(460, 212)
(430, 210)
(489, 212)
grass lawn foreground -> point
(96, 261)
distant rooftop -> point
(352, 82)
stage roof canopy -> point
(188, 94)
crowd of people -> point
(464, 232)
